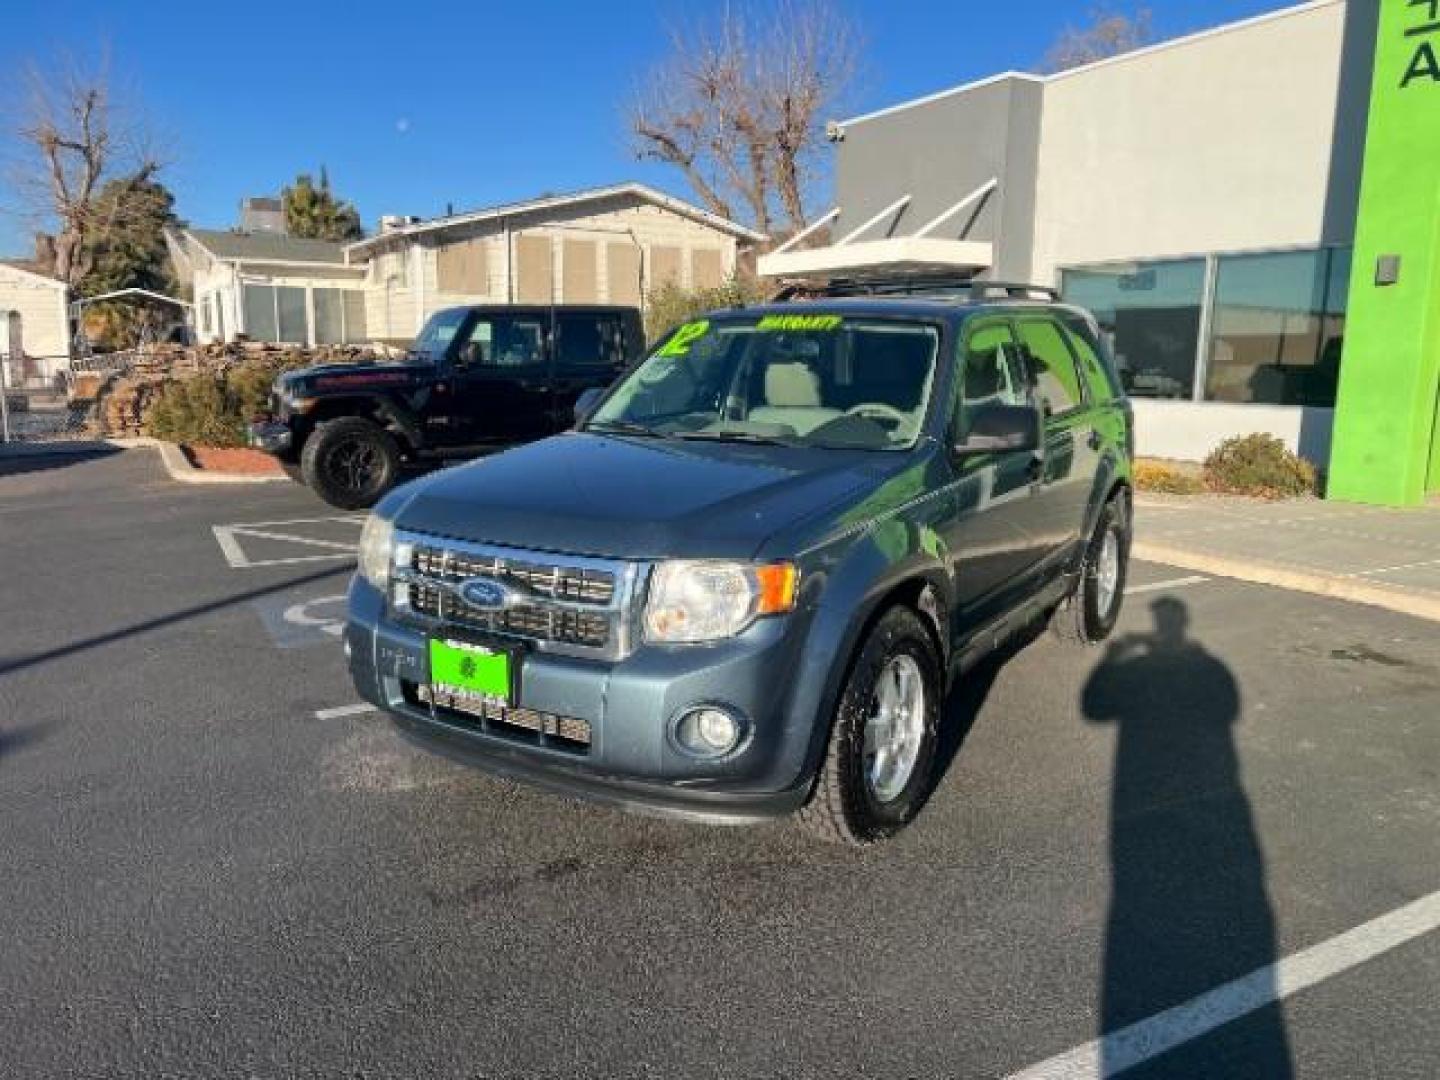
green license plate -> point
(473, 670)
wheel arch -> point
(379, 410)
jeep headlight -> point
(377, 546)
(694, 601)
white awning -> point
(917, 253)
(898, 254)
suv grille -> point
(555, 581)
(561, 603)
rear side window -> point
(1057, 382)
(586, 342)
(1098, 372)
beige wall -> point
(595, 252)
(1208, 146)
(44, 321)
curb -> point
(1406, 602)
(179, 467)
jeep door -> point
(994, 536)
(500, 373)
(591, 350)
(1071, 444)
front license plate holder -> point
(473, 675)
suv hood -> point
(640, 498)
(325, 378)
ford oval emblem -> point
(485, 593)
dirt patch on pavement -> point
(240, 461)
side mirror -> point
(997, 429)
(586, 402)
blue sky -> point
(414, 106)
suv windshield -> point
(436, 335)
(809, 380)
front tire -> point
(350, 462)
(1090, 614)
(878, 765)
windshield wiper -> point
(740, 436)
(624, 427)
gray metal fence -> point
(40, 408)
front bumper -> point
(630, 706)
(272, 436)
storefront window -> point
(1150, 313)
(1277, 327)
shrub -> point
(670, 305)
(1258, 465)
(1165, 479)
(197, 410)
(213, 408)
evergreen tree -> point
(313, 213)
(127, 251)
(131, 214)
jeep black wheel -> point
(1090, 613)
(877, 769)
(350, 462)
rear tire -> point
(1091, 611)
(877, 769)
(350, 462)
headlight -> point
(377, 545)
(692, 602)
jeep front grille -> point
(565, 604)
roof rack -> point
(953, 286)
(1013, 290)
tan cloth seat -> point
(792, 398)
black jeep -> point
(476, 378)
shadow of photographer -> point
(1188, 908)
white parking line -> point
(1161, 586)
(359, 708)
(1164, 1031)
(229, 537)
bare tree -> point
(76, 142)
(739, 106)
(1108, 33)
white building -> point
(611, 245)
(1200, 196)
(270, 287)
(34, 325)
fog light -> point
(708, 732)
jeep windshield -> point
(437, 333)
(820, 380)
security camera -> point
(834, 131)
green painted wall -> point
(1386, 446)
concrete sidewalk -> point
(1368, 554)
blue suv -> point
(743, 584)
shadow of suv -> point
(742, 586)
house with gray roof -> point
(268, 286)
(617, 244)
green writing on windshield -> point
(680, 341)
(799, 322)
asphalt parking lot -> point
(211, 865)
